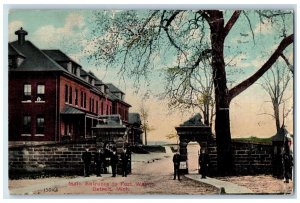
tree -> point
(173, 135)
(198, 93)
(135, 39)
(145, 125)
(275, 83)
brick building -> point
(52, 97)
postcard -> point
(160, 102)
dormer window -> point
(91, 80)
(102, 88)
(120, 95)
(74, 70)
(41, 92)
(69, 67)
(27, 92)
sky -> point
(71, 32)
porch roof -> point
(71, 110)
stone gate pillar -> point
(191, 130)
(183, 154)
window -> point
(74, 70)
(27, 92)
(81, 99)
(40, 124)
(76, 97)
(84, 100)
(66, 93)
(27, 124)
(40, 93)
(70, 96)
(97, 110)
(90, 104)
(93, 105)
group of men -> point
(101, 162)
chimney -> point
(21, 36)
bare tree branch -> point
(291, 67)
(250, 25)
(248, 82)
(231, 22)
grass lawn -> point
(254, 139)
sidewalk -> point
(28, 190)
(230, 188)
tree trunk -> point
(206, 114)
(222, 122)
(276, 114)
(145, 136)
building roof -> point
(113, 88)
(36, 60)
(71, 110)
(58, 55)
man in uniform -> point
(124, 158)
(287, 166)
(99, 160)
(87, 157)
(176, 161)
(114, 161)
(203, 162)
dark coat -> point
(87, 157)
(114, 159)
(203, 160)
(288, 165)
(124, 158)
(99, 157)
(176, 159)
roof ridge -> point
(16, 50)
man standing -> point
(87, 157)
(288, 166)
(203, 162)
(176, 162)
(99, 159)
(114, 162)
(124, 158)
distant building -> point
(51, 97)
(135, 131)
